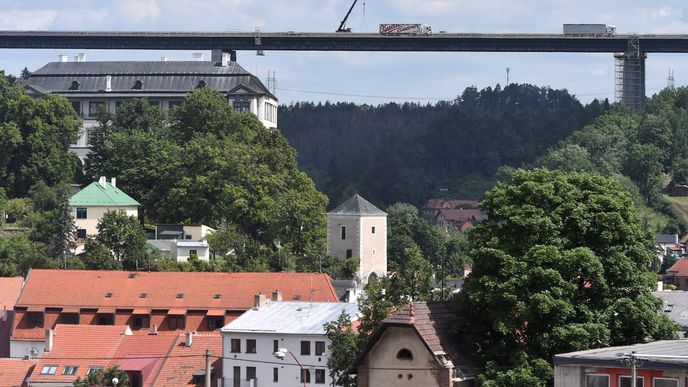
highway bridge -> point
(630, 51)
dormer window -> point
(405, 354)
(201, 84)
(75, 85)
(143, 295)
(180, 295)
(108, 295)
(217, 296)
(138, 85)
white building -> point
(90, 85)
(356, 228)
(250, 342)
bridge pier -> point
(629, 75)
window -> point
(305, 347)
(349, 253)
(236, 346)
(81, 213)
(319, 348)
(141, 322)
(81, 233)
(320, 376)
(242, 106)
(106, 319)
(69, 318)
(596, 380)
(118, 104)
(70, 370)
(270, 113)
(343, 231)
(305, 376)
(176, 322)
(372, 230)
(215, 322)
(155, 103)
(275, 374)
(404, 354)
(250, 346)
(193, 253)
(93, 369)
(625, 381)
(35, 319)
(664, 382)
(250, 373)
(49, 370)
(77, 107)
(94, 106)
(275, 346)
(373, 252)
(174, 103)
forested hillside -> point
(407, 152)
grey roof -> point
(356, 205)
(675, 306)
(667, 239)
(290, 317)
(186, 243)
(158, 77)
(654, 355)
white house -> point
(356, 228)
(250, 343)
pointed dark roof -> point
(356, 205)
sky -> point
(365, 77)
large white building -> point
(356, 228)
(89, 85)
(250, 342)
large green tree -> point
(560, 265)
(124, 237)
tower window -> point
(404, 354)
(372, 230)
(349, 253)
(343, 231)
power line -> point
(364, 95)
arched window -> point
(372, 277)
(404, 354)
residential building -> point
(195, 232)
(414, 347)
(181, 250)
(433, 206)
(356, 228)
(10, 287)
(669, 244)
(15, 372)
(250, 343)
(458, 219)
(92, 85)
(659, 364)
(92, 202)
(677, 274)
(675, 307)
(147, 301)
(73, 351)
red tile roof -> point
(13, 372)
(80, 345)
(65, 288)
(680, 268)
(438, 204)
(10, 287)
(184, 361)
(460, 215)
(145, 353)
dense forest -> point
(406, 152)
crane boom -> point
(341, 26)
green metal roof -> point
(96, 194)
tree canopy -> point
(561, 264)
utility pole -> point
(207, 368)
(632, 361)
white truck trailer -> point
(405, 29)
(589, 30)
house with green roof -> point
(356, 228)
(90, 204)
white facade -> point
(250, 342)
(95, 213)
(21, 348)
(182, 250)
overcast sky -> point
(362, 76)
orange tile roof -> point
(184, 361)
(82, 346)
(65, 288)
(680, 268)
(10, 287)
(149, 351)
(13, 372)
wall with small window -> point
(576, 376)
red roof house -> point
(678, 274)
(10, 287)
(14, 372)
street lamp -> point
(282, 353)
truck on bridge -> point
(589, 30)
(405, 29)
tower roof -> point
(356, 205)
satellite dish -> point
(34, 351)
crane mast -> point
(341, 26)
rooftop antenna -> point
(670, 79)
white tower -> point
(356, 228)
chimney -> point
(62, 58)
(48, 340)
(189, 339)
(102, 181)
(108, 83)
(660, 286)
(154, 330)
(277, 295)
(113, 181)
(81, 57)
(197, 56)
(259, 301)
